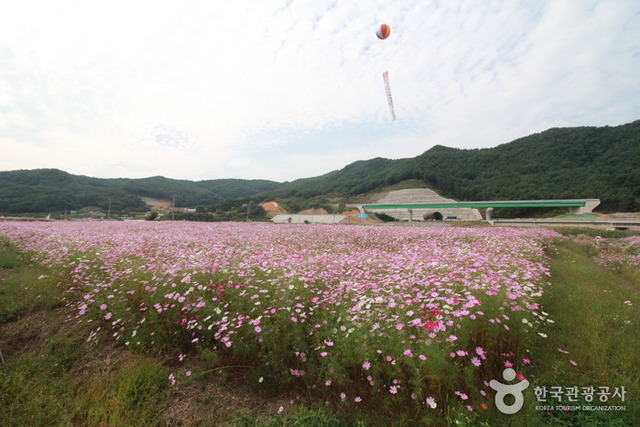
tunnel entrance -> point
(433, 216)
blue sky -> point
(286, 89)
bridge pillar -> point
(488, 214)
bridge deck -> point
(483, 204)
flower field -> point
(422, 317)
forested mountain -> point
(586, 162)
(52, 190)
(583, 162)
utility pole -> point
(173, 208)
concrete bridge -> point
(577, 206)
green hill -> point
(52, 190)
(582, 162)
(585, 162)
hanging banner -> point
(387, 88)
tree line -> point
(581, 162)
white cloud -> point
(285, 89)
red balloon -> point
(383, 31)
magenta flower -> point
(429, 326)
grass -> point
(51, 374)
(63, 372)
(27, 288)
(598, 329)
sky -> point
(286, 89)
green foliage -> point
(231, 212)
(384, 217)
(600, 332)
(583, 162)
(300, 417)
(9, 255)
(25, 287)
(52, 190)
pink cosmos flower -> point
(429, 326)
(366, 366)
(431, 402)
(462, 395)
(476, 361)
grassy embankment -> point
(51, 373)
